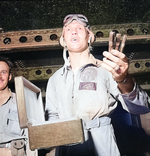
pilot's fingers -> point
(123, 43)
(111, 41)
(117, 40)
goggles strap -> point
(89, 43)
(89, 40)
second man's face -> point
(4, 75)
(76, 37)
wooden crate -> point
(43, 134)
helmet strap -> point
(89, 40)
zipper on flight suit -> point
(74, 88)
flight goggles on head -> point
(79, 17)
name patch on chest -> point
(87, 86)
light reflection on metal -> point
(145, 31)
(7, 40)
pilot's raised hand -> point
(115, 60)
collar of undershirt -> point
(7, 101)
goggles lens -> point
(79, 17)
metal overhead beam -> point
(36, 73)
(137, 67)
(49, 38)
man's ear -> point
(62, 42)
(10, 76)
(91, 37)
